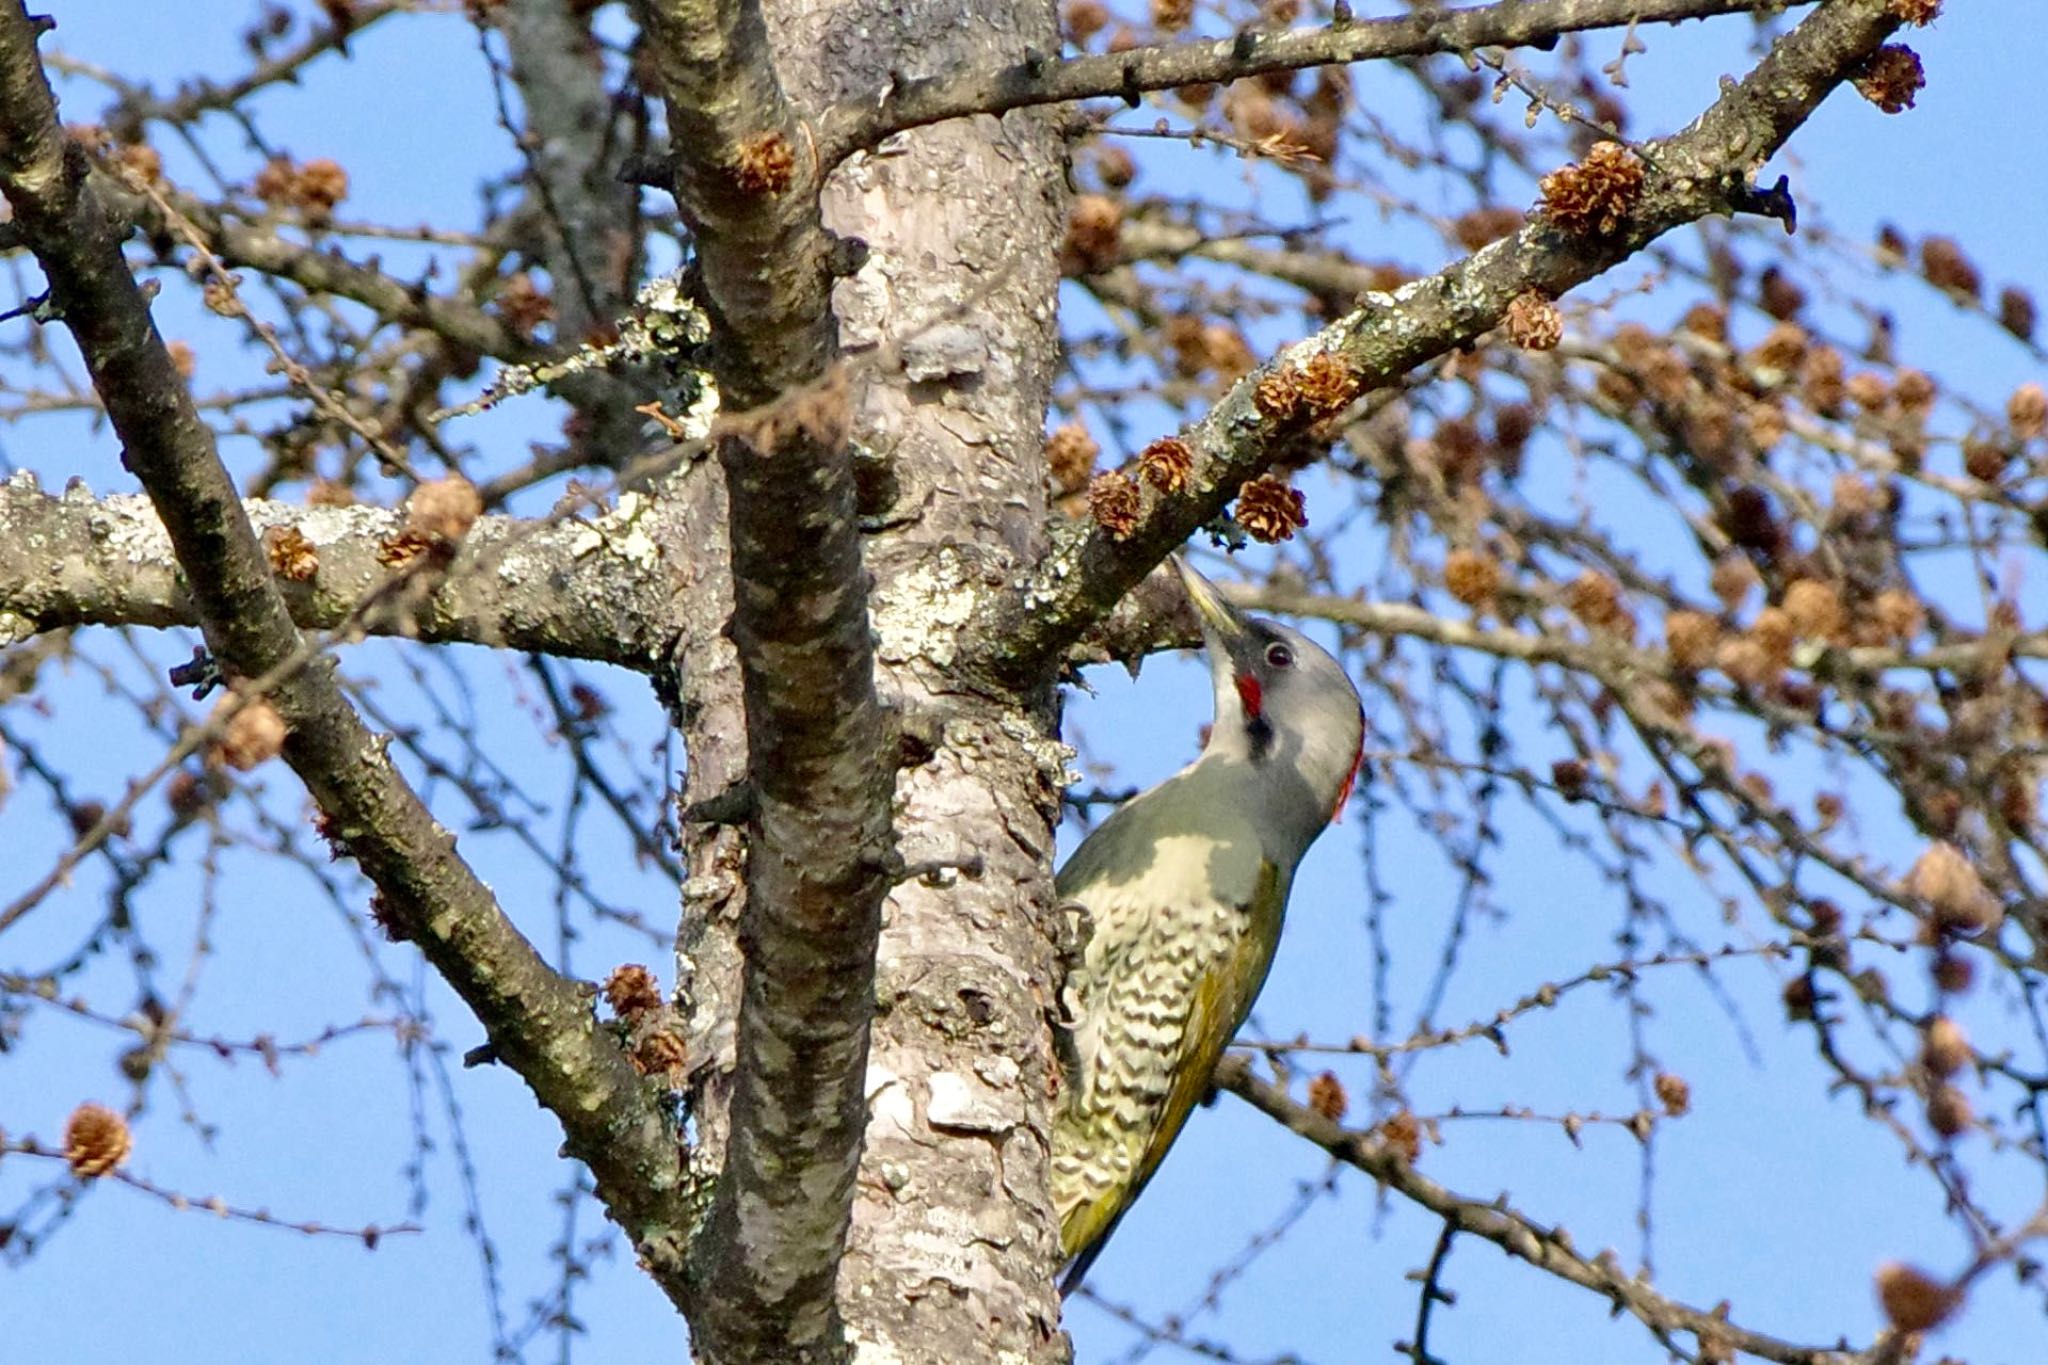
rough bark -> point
(951, 1245)
(588, 586)
(819, 845)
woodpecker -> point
(1183, 889)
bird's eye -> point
(1279, 656)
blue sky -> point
(1768, 1191)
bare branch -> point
(821, 751)
(570, 587)
(572, 156)
(1703, 170)
(140, 106)
(864, 122)
(1606, 657)
(539, 1022)
(326, 271)
(1548, 1249)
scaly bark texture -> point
(947, 326)
(950, 325)
(821, 751)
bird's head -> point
(1283, 704)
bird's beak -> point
(1222, 624)
(1228, 637)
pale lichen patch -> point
(920, 613)
(325, 525)
(15, 628)
(1053, 758)
(620, 533)
(970, 1105)
(129, 529)
(869, 1351)
(889, 1102)
(1061, 560)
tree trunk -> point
(949, 341)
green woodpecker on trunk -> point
(1184, 888)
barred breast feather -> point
(1176, 954)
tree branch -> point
(570, 587)
(746, 177)
(1702, 170)
(1545, 1248)
(863, 123)
(1602, 657)
(325, 270)
(539, 1022)
(592, 250)
(139, 105)
(1323, 273)
(592, 235)
(821, 749)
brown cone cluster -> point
(96, 1141)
